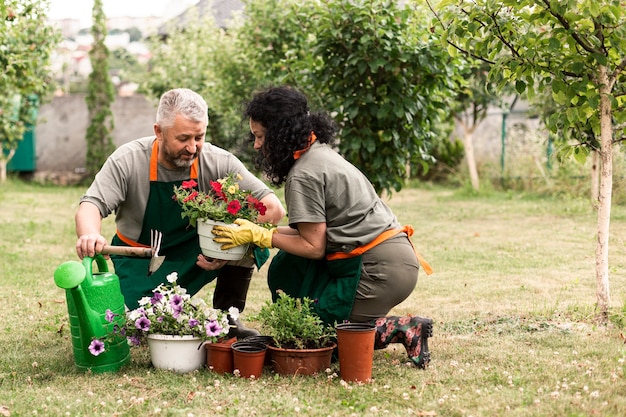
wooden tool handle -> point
(127, 251)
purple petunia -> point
(213, 328)
(96, 347)
(109, 316)
(156, 298)
(193, 323)
(143, 324)
(177, 305)
(134, 340)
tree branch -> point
(586, 46)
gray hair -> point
(181, 101)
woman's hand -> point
(247, 232)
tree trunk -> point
(604, 196)
(595, 178)
(468, 143)
(3, 170)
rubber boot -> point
(412, 331)
(231, 290)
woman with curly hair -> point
(343, 247)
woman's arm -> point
(309, 241)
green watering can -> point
(89, 296)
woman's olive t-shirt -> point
(323, 187)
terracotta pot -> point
(301, 361)
(249, 358)
(355, 345)
(265, 340)
(219, 356)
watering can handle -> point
(100, 261)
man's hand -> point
(89, 245)
(247, 232)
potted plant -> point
(301, 343)
(224, 203)
(174, 325)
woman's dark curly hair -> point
(288, 123)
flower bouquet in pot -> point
(175, 327)
(222, 204)
(301, 343)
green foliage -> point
(293, 323)
(386, 79)
(26, 45)
(548, 48)
(100, 96)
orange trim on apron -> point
(387, 234)
(154, 165)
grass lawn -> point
(512, 296)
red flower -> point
(217, 189)
(258, 206)
(190, 197)
(189, 184)
(234, 207)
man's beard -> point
(178, 161)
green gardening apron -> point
(179, 244)
(331, 284)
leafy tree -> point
(385, 77)
(26, 46)
(100, 95)
(572, 48)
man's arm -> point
(88, 225)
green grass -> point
(512, 296)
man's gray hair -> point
(184, 101)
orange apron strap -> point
(387, 234)
(408, 229)
(129, 241)
(154, 164)
(154, 161)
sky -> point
(81, 9)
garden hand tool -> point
(152, 252)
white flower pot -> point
(176, 353)
(212, 249)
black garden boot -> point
(412, 331)
(231, 290)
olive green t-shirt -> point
(323, 187)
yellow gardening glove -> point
(247, 232)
